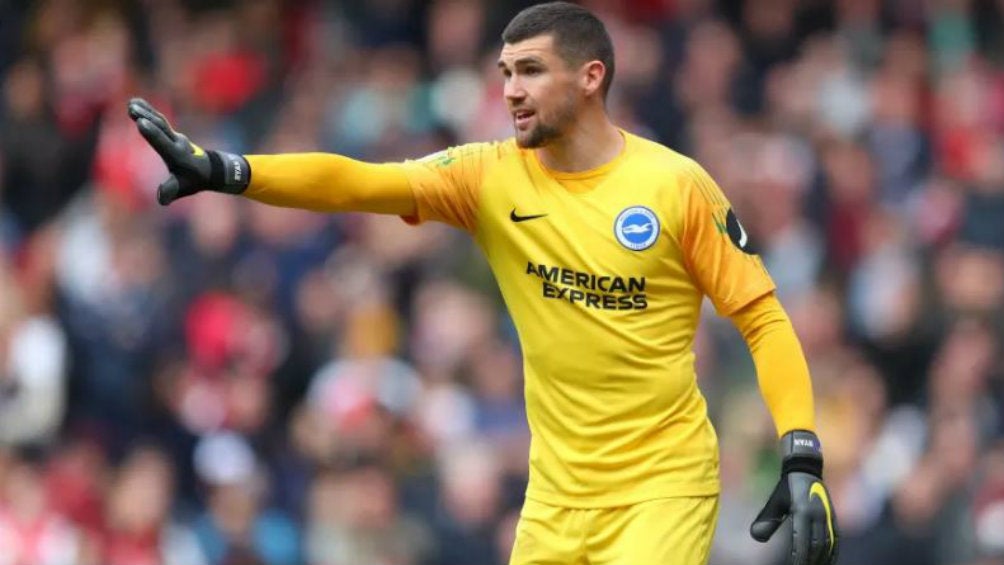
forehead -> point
(538, 47)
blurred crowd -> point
(220, 382)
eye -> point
(532, 71)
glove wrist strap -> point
(228, 172)
(801, 452)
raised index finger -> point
(157, 139)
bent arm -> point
(782, 371)
(326, 182)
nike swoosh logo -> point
(517, 218)
(743, 238)
(819, 491)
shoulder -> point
(659, 161)
(478, 151)
(654, 155)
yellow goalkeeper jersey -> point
(603, 272)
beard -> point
(538, 136)
(543, 132)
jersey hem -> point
(613, 500)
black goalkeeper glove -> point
(192, 169)
(801, 495)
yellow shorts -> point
(666, 531)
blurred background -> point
(220, 382)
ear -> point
(591, 77)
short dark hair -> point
(579, 36)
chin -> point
(531, 139)
(527, 142)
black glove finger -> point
(159, 140)
(819, 545)
(824, 523)
(801, 533)
(772, 515)
(831, 537)
(169, 191)
(139, 108)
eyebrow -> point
(522, 61)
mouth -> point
(522, 118)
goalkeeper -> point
(604, 245)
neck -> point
(592, 141)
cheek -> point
(542, 87)
(549, 97)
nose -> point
(513, 90)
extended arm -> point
(314, 181)
(329, 183)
